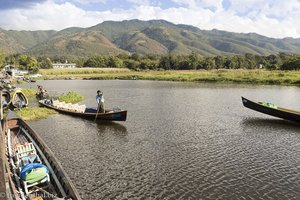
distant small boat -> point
(87, 113)
(31, 171)
(6, 98)
(273, 110)
(19, 100)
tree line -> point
(193, 61)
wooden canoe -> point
(15, 131)
(91, 113)
(272, 110)
(19, 99)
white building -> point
(11, 70)
(64, 65)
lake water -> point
(181, 141)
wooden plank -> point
(62, 191)
(2, 166)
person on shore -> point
(100, 101)
(42, 93)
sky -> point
(271, 18)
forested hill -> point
(143, 37)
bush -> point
(71, 97)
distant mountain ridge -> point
(143, 37)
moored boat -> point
(19, 99)
(83, 112)
(6, 98)
(31, 169)
(273, 110)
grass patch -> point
(31, 114)
(29, 92)
(76, 71)
(223, 75)
(71, 97)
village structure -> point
(65, 65)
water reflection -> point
(111, 127)
(271, 123)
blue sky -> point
(272, 18)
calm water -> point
(181, 141)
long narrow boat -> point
(19, 99)
(2, 169)
(89, 113)
(31, 169)
(270, 109)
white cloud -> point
(140, 2)
(45, 16)
(245, 5)
(90, 1)
(275, 8)
(266, 20)
(195, 4)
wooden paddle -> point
(97, 110)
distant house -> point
(11, 70)
(64, 65)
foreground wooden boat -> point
(31, 169)
(19, 99)
(270, 109)
(89, 113)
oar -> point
(97, 111)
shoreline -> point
(240, 76)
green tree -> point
(250, 62)
(272, 62)
(79, 62)
(96, 61)
(114, 62)
(12, 59)
(131, 64)
(135, 56)
(44, 63)
(28, 63)
(1, 61)
(219, 62)
(209, 63)
(148, 64)
(168, 62)
(193, 59)
(293, 63)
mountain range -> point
(143, 37)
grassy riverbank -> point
(230, 76)
(29, 92)
(33, 113)
(36, 113)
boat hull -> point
(19, 99)
(7, 97)
(109, 115)
(279, 112)
(12, 122)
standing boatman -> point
(100, 101)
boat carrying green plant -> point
(71, 97)
(36, 113)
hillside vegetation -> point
(156, 37)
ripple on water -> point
(194, 145)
